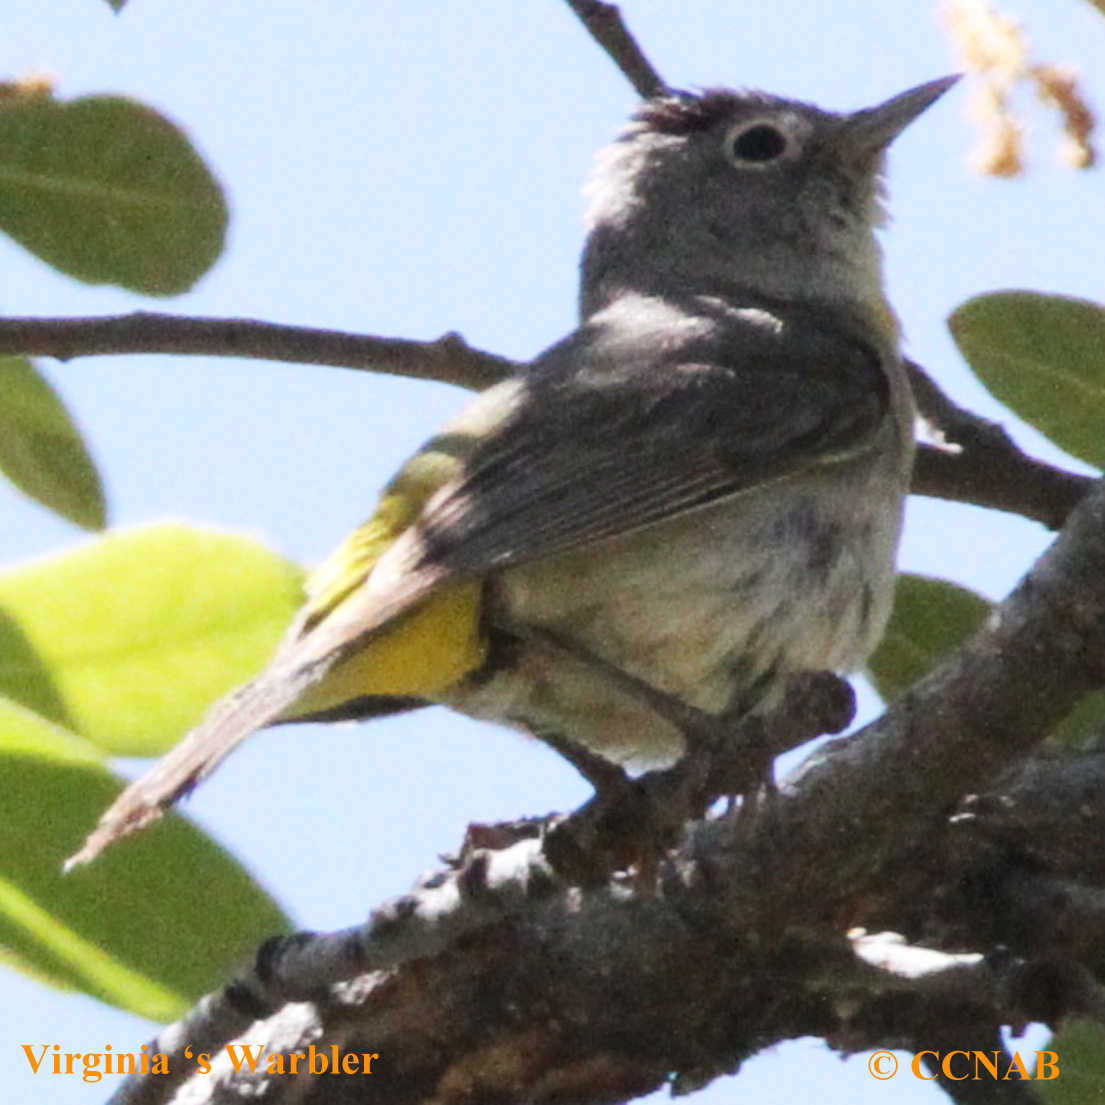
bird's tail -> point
(242, 712)
(437, 644)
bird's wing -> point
(603, 440)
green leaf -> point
(41, 450)
(152, 925)
(1080, 1047)
(930, 618)
(108, 191)
(1043, 356)
(1087, 719)
(128, 639)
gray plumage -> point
(701, 487)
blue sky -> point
(408, 169)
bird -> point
(692, 497)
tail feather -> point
(309, 651)
(231, 721)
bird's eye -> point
(757, 144)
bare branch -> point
(608, 29)
(995, 474)
(988, 469)
(289, 970)
(552, 995)
(1050, 809)
(448, 360)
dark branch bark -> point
(1051, 810)
(605, 24)
(560, 997)
(959, 1033)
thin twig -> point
(987, 469)
(605, 24)
(448, 359)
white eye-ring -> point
(759, 143)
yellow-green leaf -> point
(1043, 356)
(150, 926)
(108, 191)
(931, 617)
(128, 639)
(41, 450)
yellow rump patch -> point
(421, 654)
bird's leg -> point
(736, 739)
(604, 775)
(731, 753)
(736, 749)
(744, 765)
(635, 820)
(630, 821)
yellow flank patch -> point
(421, 654)
(348, 566)
(431, 648)
(399, 508)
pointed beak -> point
(874, 128)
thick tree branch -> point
(1050, 809)
(550, 1001)
(605, 24)
(442, 910)
(959, 1033)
